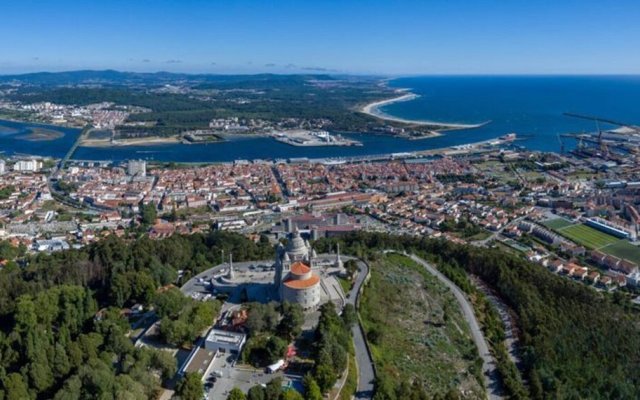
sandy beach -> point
(373, 109)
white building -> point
(3, 167)
(27, 165)
(137, 168)
(50, 245)
(224, 341)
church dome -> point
(297, 246)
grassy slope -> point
(421, 331)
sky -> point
(359, 37)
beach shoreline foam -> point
(373, 109)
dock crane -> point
(602, 146)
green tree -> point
(126, 388)
(165, 363)
(256, 393)
(72, 389)
(349, 315)
(40, 374)
(325, 377)
(170, 303)
(262, 318)
(273, 389)
(143, 287)
(290, 325)
(61, 364)
(149, 213)
(15, 387)
(175, 333)
(352, 267)
(291, 394)
(275, 348)
(190, 386)
(311, 389)
(236, 394)
(120, 290)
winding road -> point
(366, 372)
(489, 369)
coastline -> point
(38, 123)
(373, 109)
(146, 141)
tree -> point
(148, 213)
(349, 315)
(273, 389)
(256, 393)
(170, 303)
(262, 317)
(190, 386)
(275, 348)
(290, 325)
(311, 389)
(16, 388)
(61, 365)
(120, 289)
(236, 394)
(291, 394)
(165, 363)
(175, 333)
(352, 267)
(71, 390)
(143, 287)
(325, 376)
(40, 374)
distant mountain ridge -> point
(162, 77)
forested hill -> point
(175, 103)
(113, 265)
(114, 77)
(53, 345)
(577, 343)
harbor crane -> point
(601, 145)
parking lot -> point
(226, 374)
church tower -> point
(231, 275)
(297, 250)
(338, 263)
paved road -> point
(488, 363)
(366, 373)
(494, 235)
(511, 338)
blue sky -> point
(386, 37)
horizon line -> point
(336, 73)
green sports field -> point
(557, 223)
(587, 236)
(592, 238)
(623, 249)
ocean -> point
(530, 106)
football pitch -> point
(557, 223)
(625, 250)
(587, 236)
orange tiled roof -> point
(299, 268)
(302, 284)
